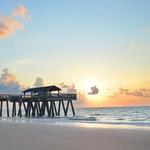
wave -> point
(139, 119)
(81, 118)
(120, 119)
(97, 114)
(116, 116)
(136, 112)
(146, 124)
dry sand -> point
(44, 137)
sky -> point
(94, 45)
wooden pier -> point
(38, 102)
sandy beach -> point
(15, 136)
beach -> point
(26, 136)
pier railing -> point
(53, 96)
(56, 97)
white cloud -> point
(8, 83)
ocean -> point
(125, 116)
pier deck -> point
(38, 102)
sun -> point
(86, 86)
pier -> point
(38, 102)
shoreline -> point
(59, 123)
(16, 136)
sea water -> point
(133, 116)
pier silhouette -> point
(38, 102)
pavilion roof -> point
(44, 88)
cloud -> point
(69, 88)
(9, 25)
(94, 90)
(82, 98)
(21, 11)
(72, 89)
(141, 92)
(123, 90)
(63, 85)
(8, 83)
(39, 82)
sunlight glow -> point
(86, 84)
